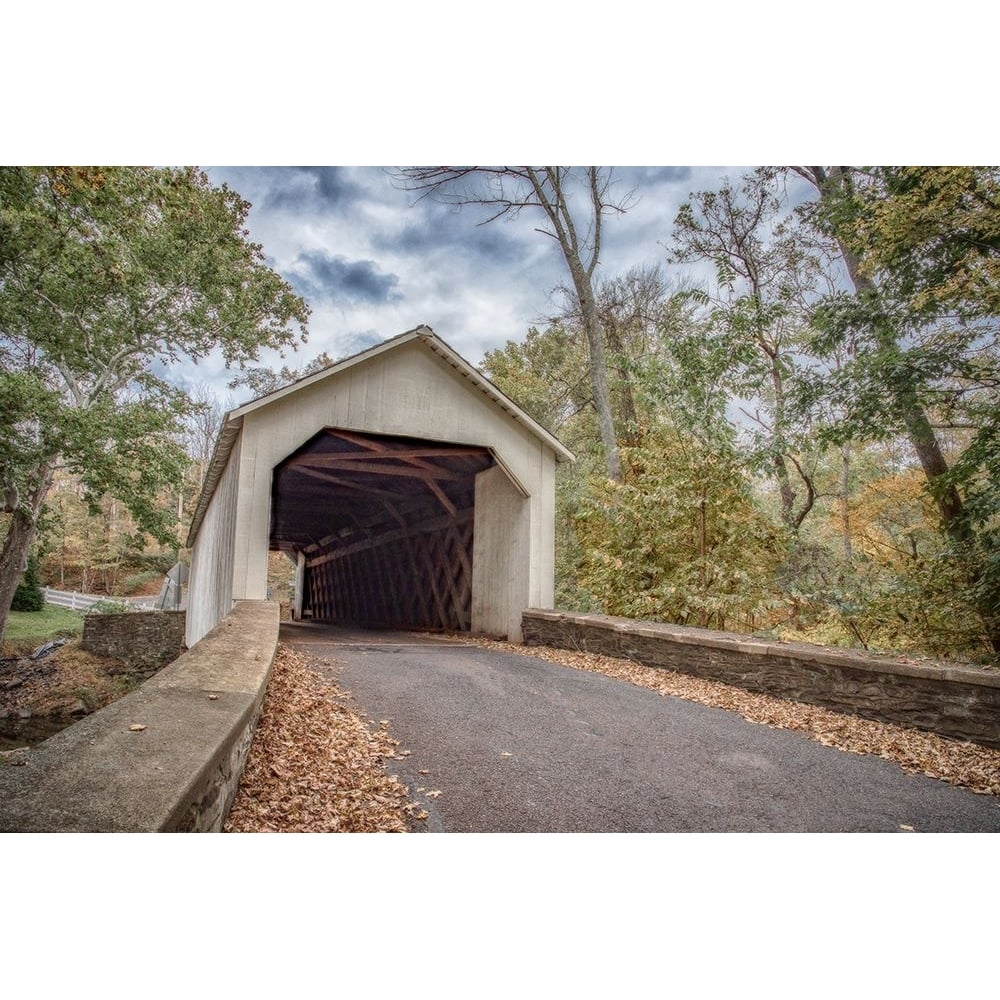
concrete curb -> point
(180, 772)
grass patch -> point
(36, 627)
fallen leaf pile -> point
(965, 764)
(313, 766)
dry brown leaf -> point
(313, 765)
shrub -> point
(109, 607)
(159, 561)
(136, 580)
(28, 596)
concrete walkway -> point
(513, 743)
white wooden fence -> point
(81, 602)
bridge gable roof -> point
(422, 335)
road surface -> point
(513, 743)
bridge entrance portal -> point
(381, 528)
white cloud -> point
(396, 263)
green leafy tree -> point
(765, 274)
(543, 374)
(263, 381)
(921, 250)
(679, 535)
(108, 276)
(679, 538)
(933, 233)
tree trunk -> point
(628, 427)
(925, 443)
(845, 496)
(20, 535)
(598, 365)
(785, 492)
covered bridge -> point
(409, 491)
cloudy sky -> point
(372, 261)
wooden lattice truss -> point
(385, 525)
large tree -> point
(573, 202)
(921, 249)
(765, 275)
(108, 276)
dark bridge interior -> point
(385, 524)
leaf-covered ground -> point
(67, 680)
(965, 764)
(314, 766)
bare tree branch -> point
(510, 190)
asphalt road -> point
(513, 743)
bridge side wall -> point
(210, 592)
(954, 701)
(142, 640)
(180, 770)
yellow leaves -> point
(890, 515)
(65, 179)
(936, 225)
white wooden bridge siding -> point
(210, 585)
(406, 389)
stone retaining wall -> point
(168, 756)
(143, 640)
(962, 702)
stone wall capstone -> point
(167, 756)
(961, 702)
